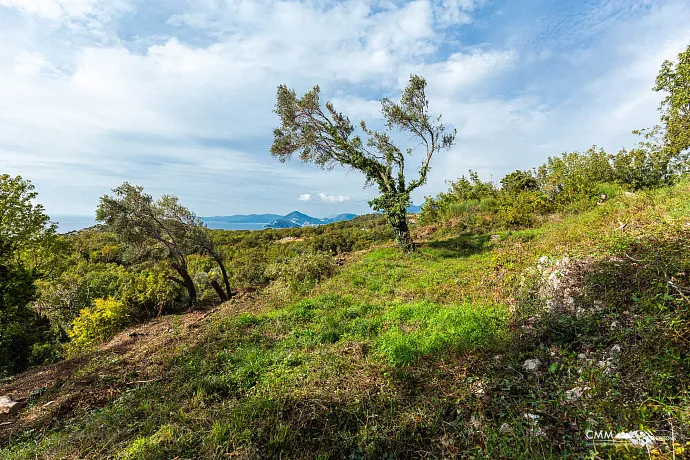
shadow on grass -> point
(459, 246)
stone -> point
(616, 349)
(7, 406)
(532, 365)
(575, 393)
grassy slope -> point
(421, 356)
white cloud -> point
(305, 197)
(180, 99)
(333, 198)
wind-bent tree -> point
(326, 138)
(674, 80)
(164, 227)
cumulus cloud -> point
(333, 198)
(179, 97)
(305, 197)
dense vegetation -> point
(537, 309)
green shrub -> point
(643, 168)
(570, 181)
(520, 209)
(150, 293)
(302, 272)
(98, 323)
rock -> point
(532, 365)
(505, 428)
(581, 356)
(495, 237)
(616, 349)
(533, 421)
(575, 393)
(7, 406)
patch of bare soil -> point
(133, 357)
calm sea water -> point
(69, 223)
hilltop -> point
(505, 344)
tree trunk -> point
(188, 283)
(219, 261)
(398, 220)
(219, 290)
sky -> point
(178, 95)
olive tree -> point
(160, 228)
(326, 137)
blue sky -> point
(177, 95)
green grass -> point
(401, 356)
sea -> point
(69, 223)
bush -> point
(643, 168)
(570, 181)
(150, 293)
(302, 272)
(520, 209)
(98, 323)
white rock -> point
(532, 365)
(575, 393)
(505, 428)
(7, 406)
(616, 349)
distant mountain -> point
(244, 218)
(298, 219)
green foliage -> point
(22, 330)
(27, 244)
(398, 354)
(98, 323)
(674, 80)
(462, 200)
(519, 181)
(302, 272)
(520, 208)
(326, 138)
(160, 230)
(570, 180)
(149, 293)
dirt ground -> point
(133, 357)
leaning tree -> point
(327, 138)
(164, 226)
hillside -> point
(510, 344)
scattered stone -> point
(478, 389)
(615, 325)
(7, 406)
(575, 393)
(495, 237)
(505, 428)
(532, 365)
(533, 421)
(475, 423)
(616, 349)
(581, 356)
